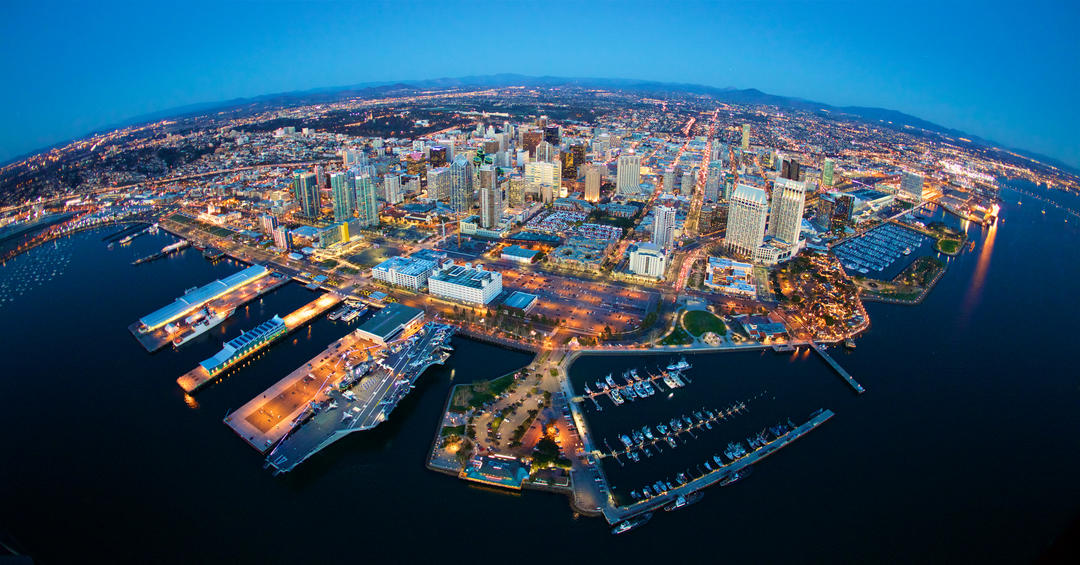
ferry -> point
(736, 476)
(627, 525)
(684, 501)
(127, 239)
(350, 316)
(202, 324)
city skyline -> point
(932, 72)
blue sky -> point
(1004, 71)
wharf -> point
(614, 514)
(160, 337)
(363, 396)
(839, 370)
(198, 377)
(650, 378)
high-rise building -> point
(592, 183)
(663, 227)
(844, 211)
(437, 156)
(392, 189)
(746, 136)
(439, 184)
(515, 192)
(789, 169)
(491, 207)
(530, 140)
(689, 179)
(551, 135)
(786, 212)
(543, 178)
(306, 192)
(367, 208)
(461, 184)
(343, 196)
(282, 238)
(628, 174)
(912, 185)
(827, 171)
(747, 214)
(669, 180)
(714, 181)
(573, 159)
(547, 152)
(267, 222)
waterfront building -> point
(267, 222)
(911, 184)
(664, 227)
(465, 283)
(747, 214)
(628, 174)
(199, 297)
(283, 238)
(647, 260)
(236, 349)
(367, 207)
(343, 196)
(730, 277)
(786, 212)
(407, 272)
(390, 322)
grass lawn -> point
(485, 391)
(698, 322)
(453, 431)
(678, 336)
(948, 246)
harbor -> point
(858, 388)
(252, 341)
(201, 309)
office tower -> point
(515, 192)
(342, 196)
(663, 227)
(823, 215)
(827, 171)
(413, 186)
(714, 181)
(439, 184)
(592, 183)
(572, 160)
(437, 156)
(415, 164)
(669, 180)
(746, 136)
(485, 177)
(392, 189)
(786, 212)
(844, 211)
(267, 223)
(544, 178)
(686, 188)
(461, 184)
(912, 185)
(306, 192)
(551, 135)
(282, 238)
(628, 175)
(789, 169)
(547, 152)
(351, 157)
(491, 207)
(491, 147)
(367, 207)
(530, 140)
(747, 213)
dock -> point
(220, 296)
(199, 377)
(615, 514)
(839, 370)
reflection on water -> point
(975, 290)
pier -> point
(659, 439)
(614, 514)
(199, 377)
(165, 251)
(672, 379)
(839, 370)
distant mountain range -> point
(885, 117)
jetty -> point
(839, 370)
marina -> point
(668, 433)
(631, 386)
(878, 249)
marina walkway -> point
(839, 370)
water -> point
(964, 448)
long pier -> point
(614, 514)
(839, 370)
(199, 377)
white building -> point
(663, 227)
(911, 184)
(491, 206)
(628, 174)
(544, 179)
(408, 272)
(647, 260)
(592, 183)
(465, 283)
(747, 215)
(786, 212)
(392, 189)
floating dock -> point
(614, 514)
(237, 349)
(839, 370)
(159, 328)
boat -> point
(684, 501)
(719, 462)
(680, 365)
(662, 429)
(615, 396)
(649, 390)
(127, 239)
(350, 316)
(627, 525)
(626, 440)
(646, 492)
(849, 343)
(736, 476)
(587, 389)
(610, 381)
(202, 325)
(648, 432)
(634, 456)
(671, 442)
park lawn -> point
(678, 336)
(948, 246)
(453, 431)
(698, 322)
(486, 391)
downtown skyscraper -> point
(628, 174)
(306, 193)
(747, 216)
(786, 211)
(663, 235)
